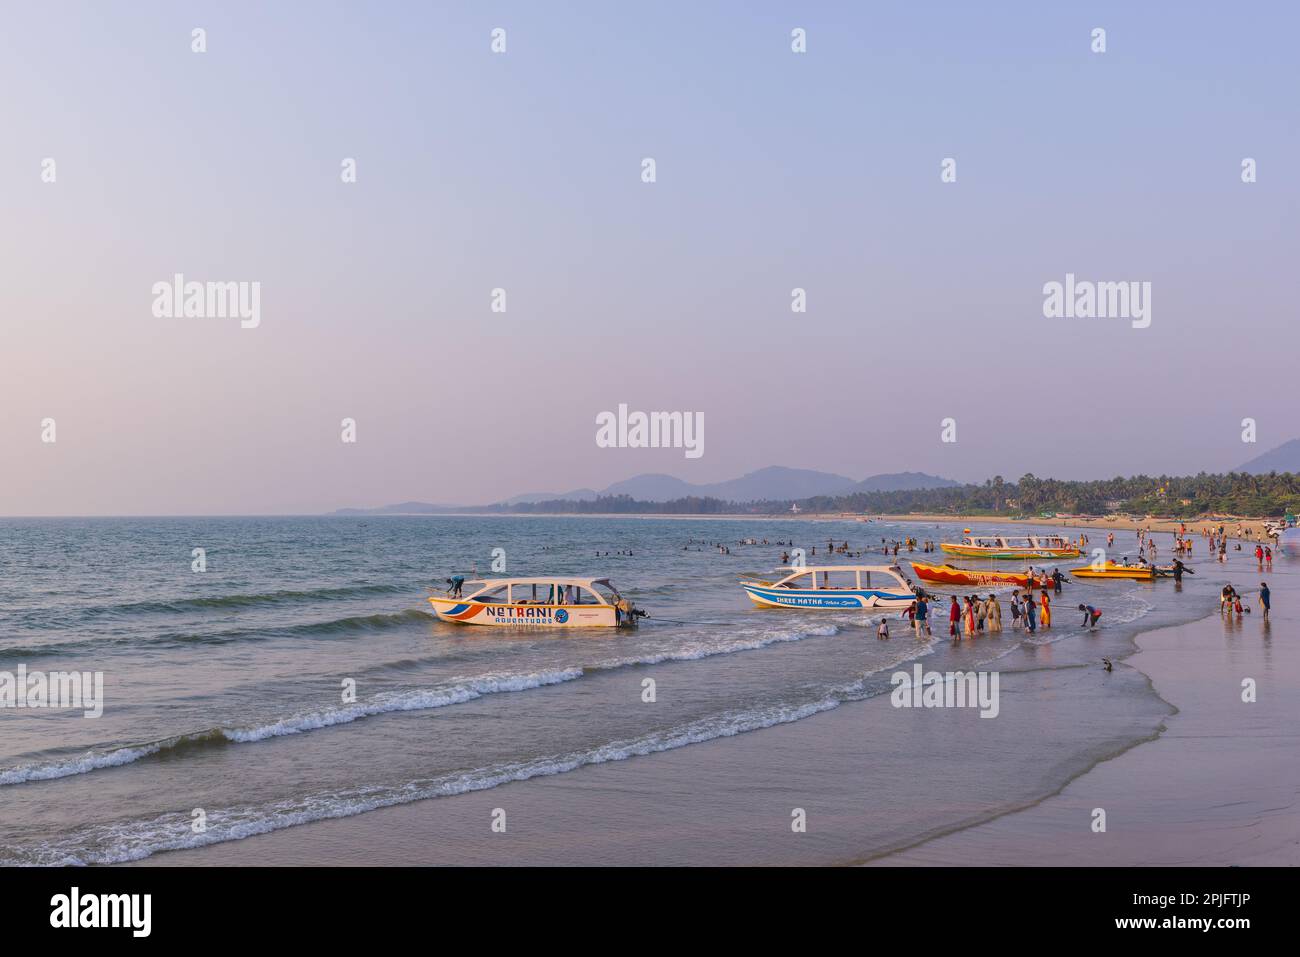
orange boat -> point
(952, 575)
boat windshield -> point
(838, 580)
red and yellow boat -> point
(952, 575)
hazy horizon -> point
(522, 170)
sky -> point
(522, 171)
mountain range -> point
(775, 483)
(1284, 458)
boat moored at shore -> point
(538, 602)
(1006, 547)
(834, 586)
(952, 575)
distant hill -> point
(402, 508)
(903, 482)
(577, 495)
(1284, 458)
(775, 483)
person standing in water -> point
(954, 615)
(922, 616)
(1047, 610)
(1029, 613)
(1265, 598)
(994, 615)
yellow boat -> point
(1141, 573)
(1003, 547)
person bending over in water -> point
(1090, 616)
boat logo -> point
(561, 615)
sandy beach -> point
(1220, 786)
(1245, 528)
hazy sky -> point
(522, 171)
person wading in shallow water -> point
(994, 615)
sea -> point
(292, 671)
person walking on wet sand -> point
(1265, 598)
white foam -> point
(463, 689)
(129, 841)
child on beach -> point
(882, 632)
(1090, 616)
(1226, 596)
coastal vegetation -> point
(1234, 493)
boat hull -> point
(768, 597)
(1136, 573)
(951, 575)
(459, 612)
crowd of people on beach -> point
(971, 616)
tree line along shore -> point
(1220, 499)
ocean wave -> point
(455, 692)
(201, 603)
(130, 841)
(356, 624)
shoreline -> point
(1192, 795)
(640, 804)
(1245, 529)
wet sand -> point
(1220, 786)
